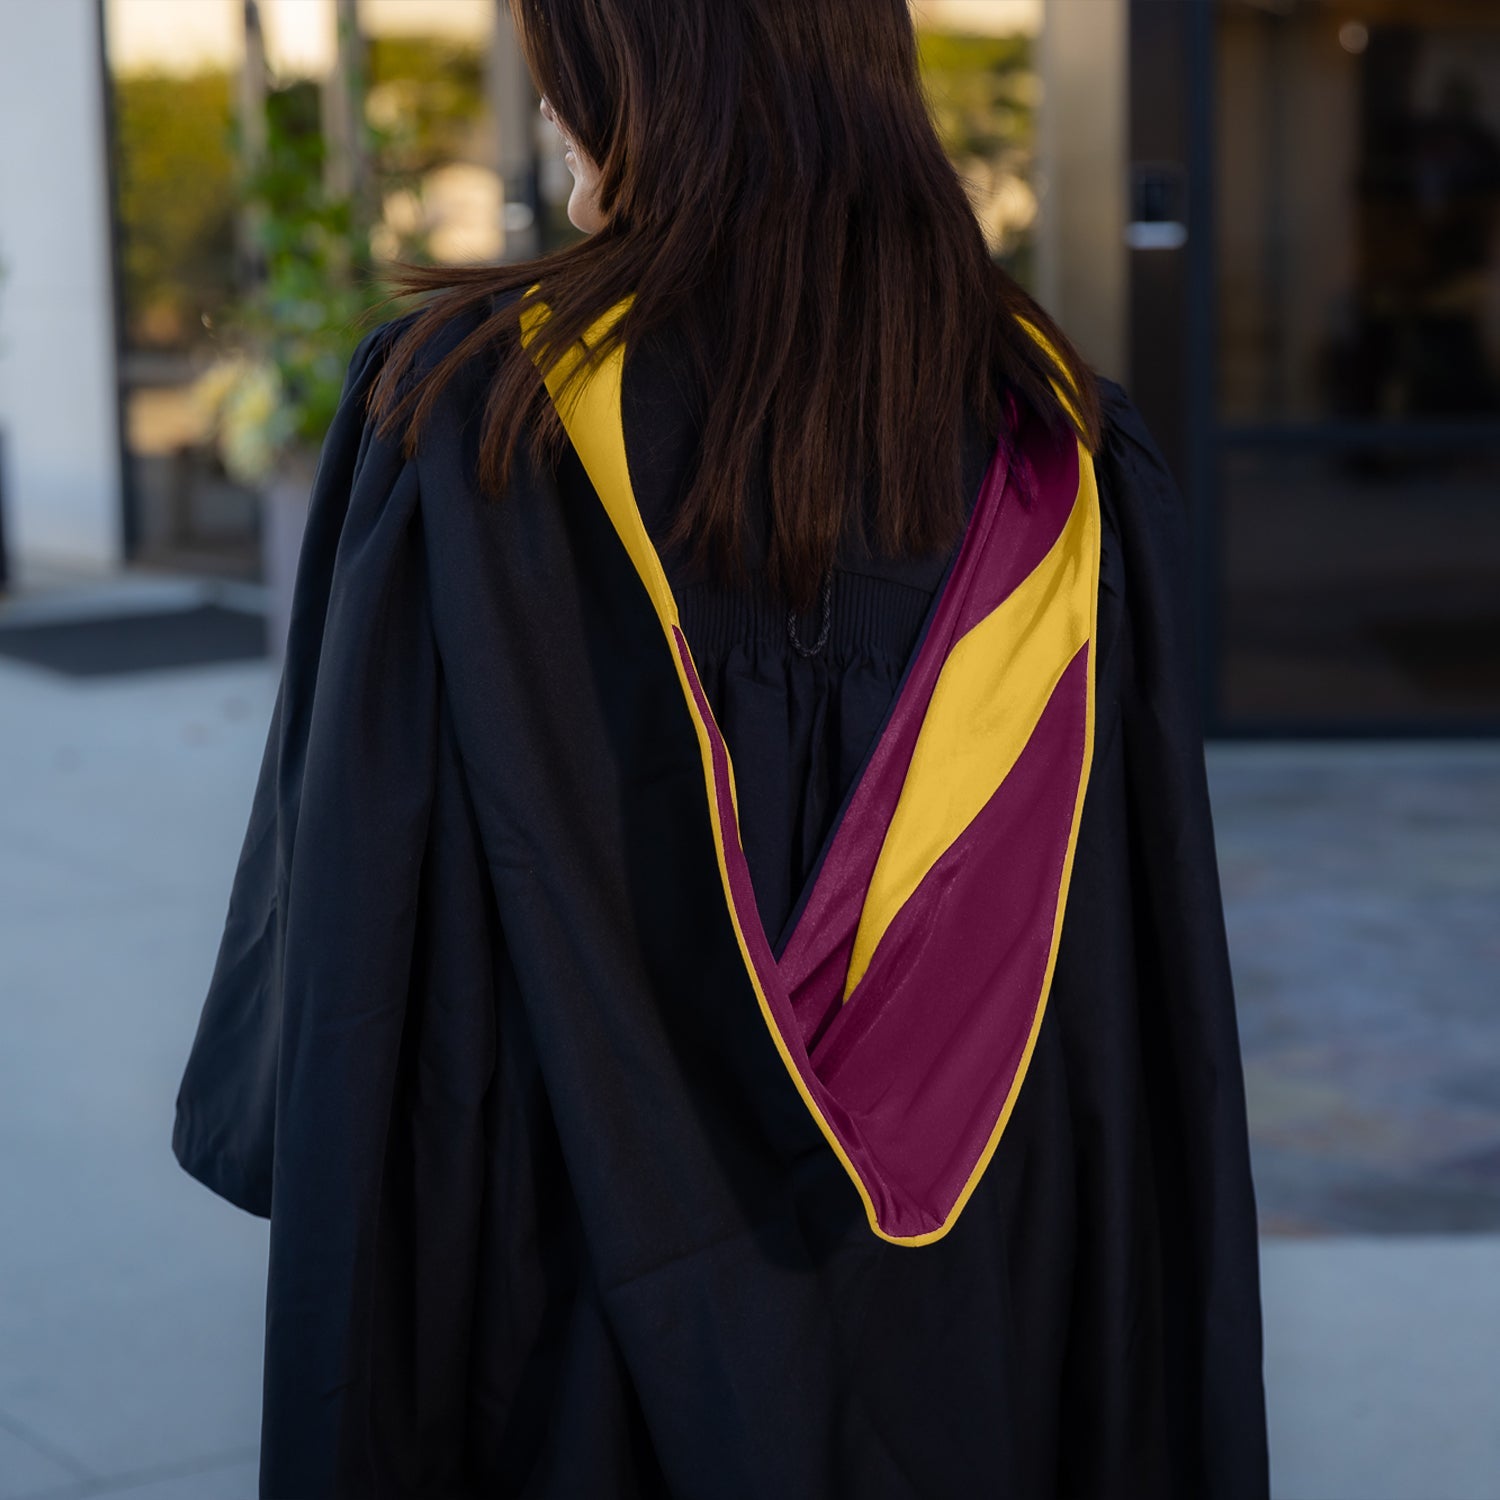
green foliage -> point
(315, 281)
(175, 168)
(313, 265)
(285, 341)
(427, 96)
(981, 90)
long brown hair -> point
(774, 188)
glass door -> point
(1356, 344)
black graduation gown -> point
(549, 1216)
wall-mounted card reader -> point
(1158, 206)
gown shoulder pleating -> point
(549, 1216)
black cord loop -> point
(791, 621)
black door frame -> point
(1170, 285)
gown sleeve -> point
(1194, 1081)
(322, 896)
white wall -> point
(62, 482)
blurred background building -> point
(1277, 222)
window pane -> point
(1361, 587)
(1358, 205)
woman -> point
(724, 992)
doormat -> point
(113, 645)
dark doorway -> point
(1323, 359)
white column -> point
(514, 104)
(1082, 265)
(58, 405)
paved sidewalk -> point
(1362, 894)
(131, 1298)
(1383, 1367)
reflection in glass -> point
(1360, 588)
(1359, 209)
(177, 90)
(1357, 198)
